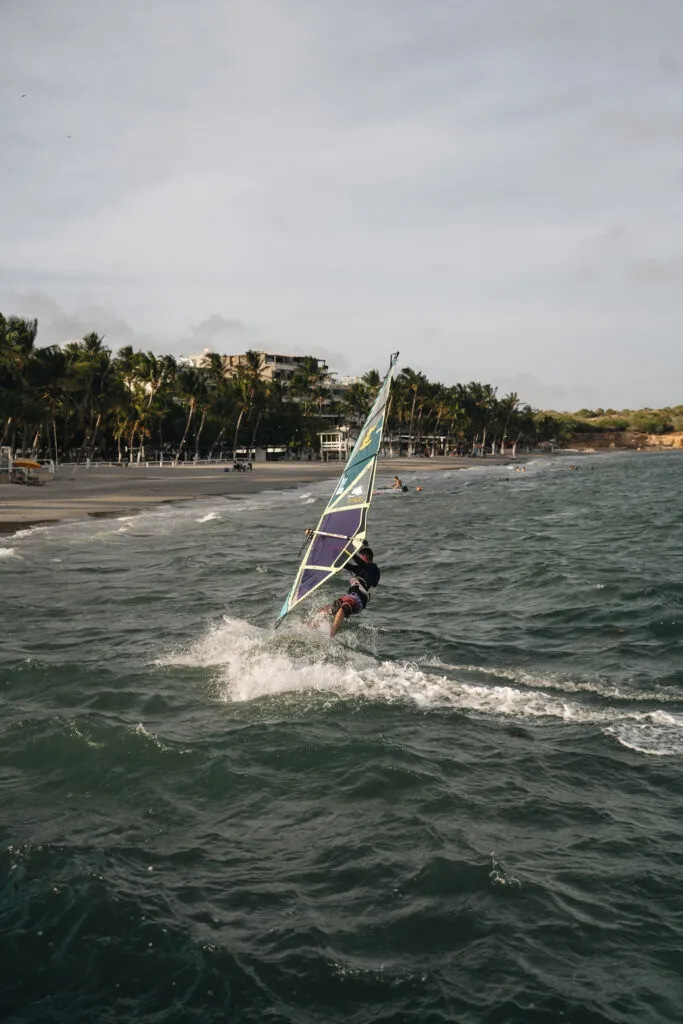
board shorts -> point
(350, 603)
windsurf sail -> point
(341, 529)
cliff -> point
(632, 439)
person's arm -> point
(357, 564)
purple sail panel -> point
(310, 578)
(346, 522)
(325, 550)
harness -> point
(357, 585)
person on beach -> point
(365, 576)
(398, 484)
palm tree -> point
(47, 382)
(132, 404)
(440, 405)
(489, 403)
(355, 404)
(191, 389)
(94, 385)
(156, 372)
(509, 406)
(17, 346)
(372, 382)
(221, 394)
(308, 377)
(456, 409)
(480, 400)
(158, 376)
(249, 381)
(203, 404)
(222, 411)
(413, 382)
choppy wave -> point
(254, 663)
(206, 819)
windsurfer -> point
(365, 576)
(338, 540)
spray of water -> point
(249, 663)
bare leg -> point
(337, 622)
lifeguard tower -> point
(335, 444)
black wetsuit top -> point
(365, 575)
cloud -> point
(542, 395)
(657, 271)
(340, 181)
(217, 333)
(670, 63)
(56, 327)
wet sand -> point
(103, 490)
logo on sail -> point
(368, 438)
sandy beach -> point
(108, 490)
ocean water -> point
(468, 807)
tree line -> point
(644, 421)
(81, 400)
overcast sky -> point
(494, 187)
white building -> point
(272, 365)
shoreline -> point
(103, 491)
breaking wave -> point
(249, 663)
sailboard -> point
(341, 529)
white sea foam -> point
(30, 532)
(558, 681)
(659, 734)
(9, 553)
(74, 729)
(251, 663)
(499, 875)
(208, 517)
(150, 737)
(140, 730)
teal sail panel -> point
(341, 529)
